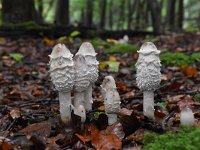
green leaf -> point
(161, 105)
(16, 56)
(113, 66)
(63, 38)
(74, 34)
(95, 116)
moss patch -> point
(187, 139)
(175, 59)
(195, 56)
(121, 48)
(197, 97)
(97, 43)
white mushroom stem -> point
(65, 102)
(112, 118)
(78, 98)
(88, 98)
(148, 104)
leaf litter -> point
(29, 109)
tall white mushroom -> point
(62, 75)
(148, 76)
(111, 99)
(86, 68)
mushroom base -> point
(112, 118)
(148, 104)
(65, 102)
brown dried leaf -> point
(116, 129)
(15, 113)
(174, 99)
(6, 146)
(122, 87)
(189, 70)
(40, 129)
(84, 138)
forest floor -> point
(29, 108)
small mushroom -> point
(86, 68)
(111, 99)
(62, 75)
(148, 76)
(187, 117)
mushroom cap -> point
(187, 117)
(85, 49)
(148, 48)
(108, 83)
(60, 50)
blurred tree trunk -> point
(89, 13)
(102, 14)
(121, 15)
(131, 9)
(17, 11)
(40, 11)
(62, 13)
(171, 14)
(110, 14)
(180, 14)
(138, 14)
(155, 15)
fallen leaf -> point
(111, 66)
(83, 138)
(116, 129)
(190, 70)
(174, 99)
(6, 146)
(113, 41)
(40, 129)
(186, 102)
(49, 42)
(15, 113)
(130, 123)
(122, 87)
(101, 108)
(112, 58)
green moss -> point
(187, 139)
(26, 25)
(121, 48)
(175, 59)
(95, 115)
(197, 97)
(97, 42)
(195, 56)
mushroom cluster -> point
(148, 76)
(76, 74)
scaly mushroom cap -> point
(85, 49)
(86, 66)
(148, 48)
(110, 95)
(148, 76)
(61, 68)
